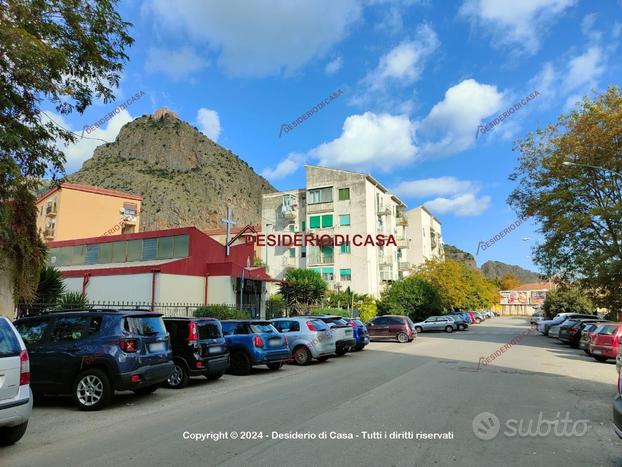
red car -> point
(474, 319)
(605, 341)
(391, 327)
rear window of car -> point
(358, 322)
(338, 321)
(320, 325)
(9, 345)
(32, 331)
(608, 329)
(144, 325)
(209, 329)
(263, 328)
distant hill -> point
(492, 269)
(184, 177)
(452, 252)
(497, 269)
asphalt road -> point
(430, 386)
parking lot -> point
(431, 386)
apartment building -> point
(423, 232)
(69, 211)
(338, 202)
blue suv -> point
(254, 342)
(90, 354)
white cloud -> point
(518, 23)
(584, 70)
(464, 205)
(176, 64)
(209, 123)
(333, 66)
(451, 125)
(260, 38)
(369, 140)
(83, 149)
(404, 63)
(434, 186)
(286, 167)
(392, 21)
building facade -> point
(181, 265)
(423, 233)
(69, 211)
(340, 202)
(525, 299)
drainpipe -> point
(153, 286)
(206, 283)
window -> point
(380, 321)
(314, 222)
(9, 345)
(344, 194)
(327, 220)
(302, 226)
(303, 252)
(182, 245)
(344, 219)
(345, 274)
(104, 255)
(328, 274)
(95, 325)
(287, 326)
(69, 329)
(292, 252)
(209, 329)
(344, 248)
(134, 250)
(165, 248)
(320, 195)
(145, 325)
(119, 252)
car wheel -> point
(477, 320)
(402, 337)
(341, 351)
(214, 376)
(273, 366)
(146, 390)
(418, 329)
(358, 348)
(449, 329)
(92, 390)
(302, 355)
(12, 434)
(322, 359)
(461, 327)
(600, 358)
(179, 377)
(240, 364)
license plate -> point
(597, 352)
(156, 347)
(348, 332)
(216, 349)
(274, 342)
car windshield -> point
(259, 328)
(145, 325)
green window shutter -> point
(318, 270)
(327, 220)
(314, 222)
(302, 226)
(327, 270)
(346, 272)
(345, 248)
(344, 219)
(344, 194)
(292, 252)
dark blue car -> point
(90, 354)
(254, 342)
(360, 334)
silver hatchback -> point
(437, 323)
(308, 338)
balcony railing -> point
(50, 210)
(289, 213)
(402, 242)
(130, 219)
(48, 233)
(320, 207)
(320, 259)
(401, 220)
(403, 266)
(386, 275)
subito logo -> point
(486, 426)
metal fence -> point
(167, 309)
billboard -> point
(538, 297)
(514, 297)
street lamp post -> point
(574, 164)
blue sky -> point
(418, 77)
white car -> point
(15, 393)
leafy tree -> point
(411, 296)
(567, 300)
(368, 308)
(508, 282)
(50, 288)
(302, 288)
(65, 53)
(578, 207)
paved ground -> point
(430, 386)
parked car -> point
(436, 323)
(617, 409)
(605, 341)
(308, 338)
(343, 332)
(463, 314)
(461, 324)
(199, 349)
(15, 393)
(472, 317)
(571, 329)
(586, 336)
(90, 354)
(361, 336)
(254, 342)
(536, 317)
(480, 316)
(545, 324)
(391, 327)
(554, 330)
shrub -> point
(368, 309)
(330, 311)
(567, 300)
(220, 312)
(412, 296)
(72, 301)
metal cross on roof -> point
(229, 223)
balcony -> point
(289, 262)
(320, 207)
(48, 233)
(403, 266)
(386, 276)
(50, 210)
(382, 211)
(288, 213)
(314, 259)
(402, 242)
(130, 219)
(401, 220)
